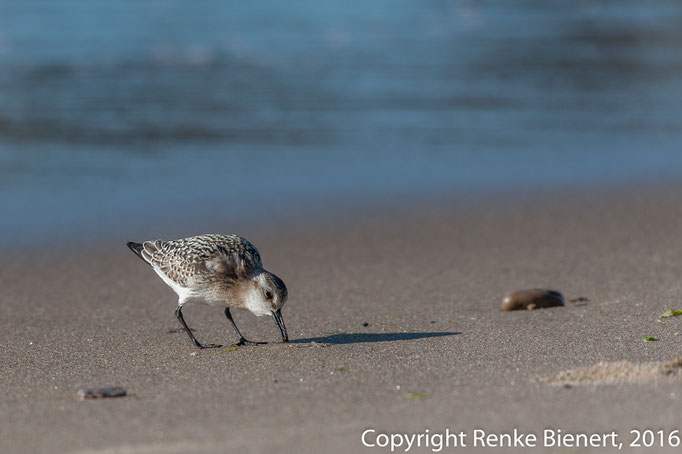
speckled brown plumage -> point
(202, 259)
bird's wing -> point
(192, 260)
(232, 256)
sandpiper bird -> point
(219, 270)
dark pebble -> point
(535, 298)
(101, 393)
(365, 324)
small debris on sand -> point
(365, 324)
(530, 299)
(580, 299)
(101, 393)
(671, 313)
(415, 395)
(614, 373)
(177, 330)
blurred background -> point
(119, 117)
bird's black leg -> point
(242, 340)
(178, 314)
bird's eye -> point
(268, 295)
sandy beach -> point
(437, 353)
(402, 166)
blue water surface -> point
(128, 115)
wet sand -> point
(437, 352)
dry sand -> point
(437, 353)
(615, 372)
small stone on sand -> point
(536, 298)
(100, 393)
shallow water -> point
(132, 113)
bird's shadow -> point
(356, 338)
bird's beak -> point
(277, 317)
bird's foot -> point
(243, 341)
(200, 345)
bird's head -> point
(266, 295)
